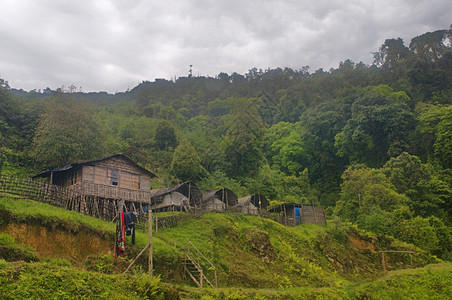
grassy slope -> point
(429, 282)
(257, 252)
(332, 262)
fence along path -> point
(33, 190)
(39, 190)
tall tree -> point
(284, 147)
(290, 107)
(420, 182)
(243, 139)
(379, 127)
(165, 136)
(186, 164)
(365, 189)
(66, 132)
(431, 46)
(391, 53)
(319, 127)
(435, 127)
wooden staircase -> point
(192, 267)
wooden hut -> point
(97, 186)
(295, 214)
(286, 213)
(181, 197)
(219, 200)
(251, 205)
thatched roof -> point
(225, 195)
(87, 162)
(255, 199)
(188, 189)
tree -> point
(4, 84)
(420, 182)
(420, 232)
(243, 139)
(391, 53)
(379, 127)
(165, 136)
(200, 132)
(284, 147)
(2, 155)
(186, 164)
(365, 190)
(319, 126)
(291, 106)
(66, 133)
(431, 46)
(435, 127)
(275, 185)
(217, 180)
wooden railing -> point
(199, 268)
(87, 188)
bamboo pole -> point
(150, 242)
(139, 254)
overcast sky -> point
(111, 46)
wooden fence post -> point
(150, 262)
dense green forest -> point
(370, 143)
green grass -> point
(429, 282)
(28, 211)
(53, 280)
(19, 171)
(57, 279)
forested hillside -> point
(371, 144)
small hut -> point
(286, 213)
(251, 205)
(296, 214)
(181, 197)
(219, 200)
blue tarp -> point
(297, 215)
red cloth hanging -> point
(120, 238)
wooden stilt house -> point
(97, 186)
(182, 197)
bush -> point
(50, 281)
(11, 251)
(419, 232)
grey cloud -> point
(112, 45)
